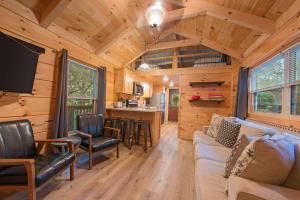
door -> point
(173, 104)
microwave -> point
(138, 89)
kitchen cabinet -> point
(125, 78)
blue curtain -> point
(60, 124)
(242, 94)
(101, 103)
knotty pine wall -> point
(193, 116)
(39, 107)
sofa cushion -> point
(99, 143)
(209, 180)
(46, 166)
(200, 137)
(266, 160)
(236, 152)
(254, 129)
(210, 152)
(228, 133)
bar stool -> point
(113, 122)
(145, 126)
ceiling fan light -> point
(155, 15)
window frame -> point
(286, 89)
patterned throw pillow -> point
(228, 133)
(215, 124)
(236, 152)
(266, 161)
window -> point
(82, 91)
(267, 83)
(294, 78)
(275, 85)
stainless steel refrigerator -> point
(159, 100)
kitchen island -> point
(152, 115)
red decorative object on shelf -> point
(195, 97)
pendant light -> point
(144, 66)
(155, 15)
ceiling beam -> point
(260, 39)
(172, 44)
(209, 43)
(128, 22)
(287, 26)
(238, 17)
(53, 10)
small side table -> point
(61, 147)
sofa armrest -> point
(41, 143)
(115, 130)
(238, 185)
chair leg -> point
(31, 182)
(90, 158)
(150, 135)
(145, 137)
(72, 171)
(117, 150)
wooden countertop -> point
(136, 109)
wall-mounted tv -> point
(18, 62)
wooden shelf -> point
(208, 100)
(206, 84)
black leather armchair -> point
(96, 137)
(22, 167)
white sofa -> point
(210, 160)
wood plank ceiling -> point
(116, 29)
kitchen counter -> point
(152, 115)
(136, 109)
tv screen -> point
(18, 61)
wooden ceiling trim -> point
(256, 44)
(173, 44)
(52, 11)
(238, 17)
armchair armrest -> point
(115, 130)
(41, 143)
(9, 162)
(238, 185)
(82, 134)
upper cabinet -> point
(125, 78)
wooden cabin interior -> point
(150, 99)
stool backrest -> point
(91, 124)
(16, 139)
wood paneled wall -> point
(39, 107)
(195, 115)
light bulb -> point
(165, 78)
(155, 15)
(144, 66)
(171, 84)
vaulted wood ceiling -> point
(117, 30)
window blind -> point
(294, 64)
(268, 75)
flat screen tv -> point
(18, 62)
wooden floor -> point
(165, 172)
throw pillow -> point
(228, 133)
(265, 160)
(293, 180)
(215, 124)
(237, 150)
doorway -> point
(173, 105)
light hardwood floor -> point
(165, 172)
